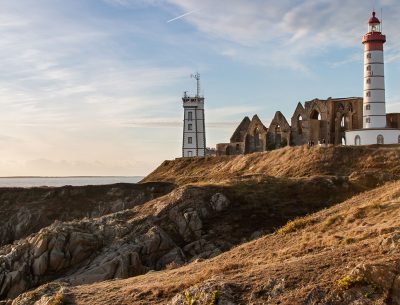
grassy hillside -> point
(349, 253)
(293, 226)
(299, 161)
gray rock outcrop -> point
(167, 230)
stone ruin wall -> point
(317, 121)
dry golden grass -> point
(314, 256)
(299, 161)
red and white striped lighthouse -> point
(374, 76)
(375, 129)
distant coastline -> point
(54, 181)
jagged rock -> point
(189, 223)
(382, 275)
(156, 243)
(206, 293)
(272, 288)
(118, 245)
(175, 256)
(391, 243)
(201, 249)
(53, 293)
(81, 246)
(219, 202)
(385, 276)
(40, 264)
(26, 211)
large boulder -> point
(219, 202)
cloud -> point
(286, 33)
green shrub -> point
(348, 282)
(215, 297)
(190, 300)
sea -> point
(62, 181)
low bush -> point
(295, 225)
(348, 282)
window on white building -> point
(380, 139)
(190, 153)
(368, 120)
(368, 107)
(190, 140)
(190, 126)
(369, 55)
(357, 140)
(368, 81)
(368, 94)
(368, 68)
(190, 115)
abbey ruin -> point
(317, 121)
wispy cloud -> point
(290, 31)
(182, 16)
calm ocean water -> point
(61, 181)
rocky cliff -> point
(27, 210)
(174, 244)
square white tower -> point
(194, 132)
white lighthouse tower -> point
(194, 132)
(374, 76)
(374, 109)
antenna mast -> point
(197, 78)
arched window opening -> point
(315, 115)
(300, 124)
(380, 139)
(342, 122)
(350, 108)
(340, 107)
(237, 148)
(257, 137)
(343, 141)
(357, 140)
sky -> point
(94, 87)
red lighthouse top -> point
(373, 19)
(374, 39)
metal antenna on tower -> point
(197, 78)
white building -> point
(194, 132)
(375, 129)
